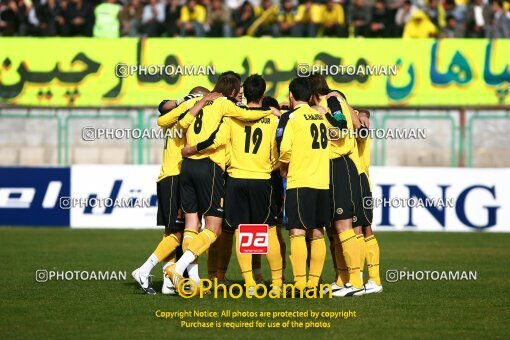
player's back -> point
(252, 148)
(345, 144)
(305, 139)
(175, 139)
(204, 124)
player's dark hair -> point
(300, 89)
(254, 87)
(231, 73)
(318, 85)
(199, 90)
(228, 84)
(270, 102)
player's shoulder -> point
(232, 101)
(189, 102)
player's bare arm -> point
(201, 103)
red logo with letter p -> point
(253, 238)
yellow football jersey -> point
(175, 141)
(346, 145)
(207, 121)
(305, 146)
(252, 146)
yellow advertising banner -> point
(85, 72)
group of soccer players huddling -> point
(228, 169)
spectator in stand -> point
(286, 19)
(30, 22)
(359, 18)
(380, 18)
(449, 7)
(9, 19)
(333, 20)
(393, 6)
(63, 20)
(452, 29)
(192, 19)
(460, 10)
(219, 19)
(267, 21)
(48, 18)
(153, 17)
(107, 23)
(244, 18)
(403, 16)
(433, 11)
(419, 26)
(81, 18)
(500, 24)
(131, 18)
(172, 22)
(308, 18)
(478, 16)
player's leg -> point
(283, 250)
(192, 217)
(361, 241)
(208, 182)
(317, 255)
(363, 218)
(345, 195)
(297, 230)
(372, 257)
(212, 261)
(176, 226)
(262, 212)
(331, 232)
(223, 249)
(189, 207)
(256, 264)
(225, 243)
(237, 211)
(277, 211)
(168, 193)
(373, 284)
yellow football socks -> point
(361, 241)
(317, 258)
(244, 261)
(341, 267)
(351, 251)
(166, 246)
(202, 242)
(372, 258)
(188, 237)
(298, 256)
(332, 252)
(274, 258)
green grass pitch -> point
(117, 309)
